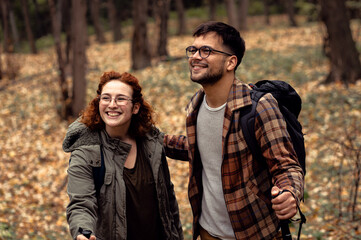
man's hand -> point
(82, 237)
(285, 204)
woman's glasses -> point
(119, 100)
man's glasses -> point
(119, 100)
(204, 51)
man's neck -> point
(217, 93)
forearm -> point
(277, 148)
(176, 147)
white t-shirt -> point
(214, 217)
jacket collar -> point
(239, 96)
(113, 143)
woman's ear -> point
(136, 108)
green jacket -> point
(105, 215)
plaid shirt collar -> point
(238, 97)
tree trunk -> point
(66, 20)
(94, 10)
(1, 67)
(13, 26)
(140, 47)
(266, 11)
(37, 22)
(114, 21)
(6, 27)
(243, 13)
(356, 187)
(231, 12)
(181, 17)
(344, 57)
(55, 13)
(29, 32)
(212, 9)
(161, 15)
(290, 8)
(78, 17)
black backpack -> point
(289, 103)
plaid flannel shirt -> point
(246, 182)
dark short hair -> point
(230, 36)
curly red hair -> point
(141, 123)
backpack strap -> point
(302, 218)
(99, 173)
(248, 115)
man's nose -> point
(197, 54)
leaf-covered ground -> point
(33, 166)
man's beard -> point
(208, 78)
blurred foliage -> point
(291, 65)
(339, 126)
(308, 9)
(6, 232)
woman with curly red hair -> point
(137, 199)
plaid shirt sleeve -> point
(176, 147)
(277, 148)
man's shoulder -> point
(267, 102)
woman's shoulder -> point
(79, 135)
(154, 132)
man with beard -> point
(229, 191)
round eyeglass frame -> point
(119, 100)
(203, 49)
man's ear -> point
(231, 63)
(136, 108)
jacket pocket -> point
(106, 193)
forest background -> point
(35, 112)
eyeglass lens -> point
(204, 51)
(119, 100)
